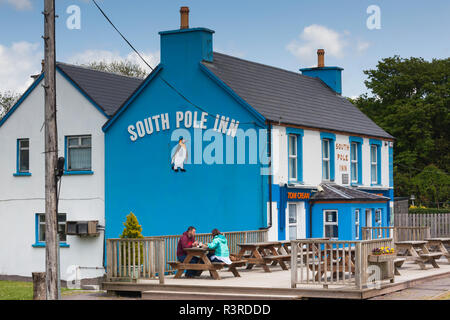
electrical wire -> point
(153, 69)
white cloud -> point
(316, 37)
(108, 56)
(362, 46)
(19, 4)
(17, 63)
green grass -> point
(20, 290)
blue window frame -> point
(78, 154)
(328, 162)
(356, 160)
(295, 154)
(375, 162)
(40, 230)
(23, 158)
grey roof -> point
(108, 90)
(291, 98)
(337, 192)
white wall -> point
(81, 198)
(312, 158)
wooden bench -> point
(430, 258)
(281, 259)
(398, 262)
(232, 267)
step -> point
(181, 295)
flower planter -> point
(382, 257)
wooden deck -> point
(257, 284)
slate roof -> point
(334, 192)
(291, 98)
(108, 90)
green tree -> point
(7, 100)
(432, 185)
(410, 99)
(132, 228)
(125, 68)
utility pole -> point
(51, 154)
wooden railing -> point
(369, 233)
(411, 233)
(329, 262)
(132, 259)
(439, 223)
(233, 238)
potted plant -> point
(382, 254)
(132, 230)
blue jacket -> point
(220, 244)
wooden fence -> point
(132, 259)
(329, 262)
(370, 233)
(233, 238)
(411, 233)
(397, 233)
(439, 223)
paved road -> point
(424, 291)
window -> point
(23, 154)
(40, 237)
(354, 161)
(330, 224)
(378, 218)
(357, 224)
(292, 208)
(79, 153)
(293, 157)
(326, 159)
(374, 164)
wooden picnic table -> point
(418, 252)
(285, 247)
(438, 244)
(262, 253)
(204, 264)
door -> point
(296, 227)
(368, 217)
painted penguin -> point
(180, 156)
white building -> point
(85, 101)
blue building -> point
(215, 141)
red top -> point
(184, 242)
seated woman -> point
(220, 245)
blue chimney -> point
(332, 76)
(186, 46)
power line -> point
(153, 69)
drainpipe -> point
(269, 134)
(311, 204)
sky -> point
(284, 34)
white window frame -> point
(357, 223)
(79, 146)
(328, 160)
(293, 156)
(354, 161)
(60, 223)
(374, 178)
(20, 149)
(378, 217)
(296, 219)
(325, 223)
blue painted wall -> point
(139, 177)
(332, 76)
(346, 217)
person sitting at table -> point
(187, 240)
(220, 245)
